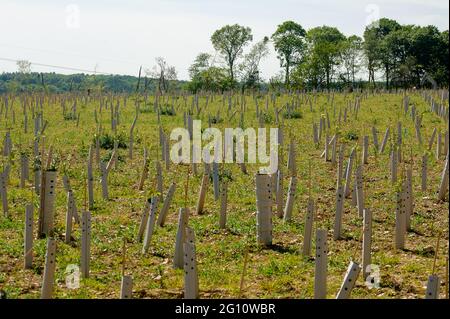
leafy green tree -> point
(230, 41)
(326, 44)
(276, 81)
(442, 71)
(398, 48)
(290, 45)
(207, 77)
(377, 47)
(250, 66)
(24, 66)
(310, 74)
(166, 74)
(213, 79)
(351, 56)
(427, 46)
(201, 63)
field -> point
(276, 271)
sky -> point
(117, 37)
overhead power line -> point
(58, 67)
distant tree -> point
(370, 48)
(325, 44)
(430, 51)
(201, 63)
(276, 81)
(377, 47)
(289, 43)
(12, 86)
(398, 47)
(309, 74)
(442, 71)
(250, 66)
(408, 55)
(164, 73)
(24, 66)
(351, 55)
(207, 77)
(230, 41)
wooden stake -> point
(443, 187)
(320, 275)
(339, 212)
(190, 266)
(69, 216)
(367, 242)
(144, 218)
(90, 178)
(290, 199)
(124, 255)
(223, 205)
(436, 253)
(279, 194)
(166, 205)
(307, 235)
(359, 190)
(384, 142)
(183, 220)
(446, 278)
(49, 202)
(408, 198)
(126, 287)
(400, 222)
(49, 270)
(3, 193)
(150, 225)
(215, 177)
(202, 193)
(394, 162)
(375, 138)
(28, 254)
(144, 171)
(439, 146)
(85, 243)
(264, 209)
(424, 172)
(159, 180)
(365, 149)
(433, 136)
(349, 281)
(244, 270)
(348, 173)
(433, 287)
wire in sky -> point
(59, 67)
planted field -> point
(97, 145)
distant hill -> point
(59, 83)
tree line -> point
(388, 55)
(323, 57)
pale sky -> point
(118, 36)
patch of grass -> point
(266, 117)
(106, 141)
(215, 120)
(278, 271)
(146, 109)
(70, 117)
(351, 136)
(166, 110)
(293, 115)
